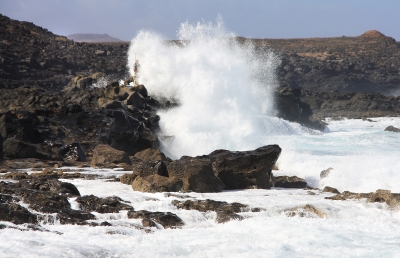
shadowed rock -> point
(166, 219)
(112, 204)
(14, 148)
(73, 151)
(16, 214)
(290, 182)
(245, 169)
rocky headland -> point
(51, 117)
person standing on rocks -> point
(136, 71)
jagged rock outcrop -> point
(245, 169)
(215, 172)
(68, 125)
(45, 195)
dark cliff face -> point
(367, 63)
(31, 55)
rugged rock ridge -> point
(31, 55)
(367, 63)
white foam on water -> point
(349, 228)
(225, 92)
(363, 157)
(224, 89)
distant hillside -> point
(31, 55)
(88, 37)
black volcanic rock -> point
(215, 172)
(290, 182)
(337, 104)
(16, 214)
(112, 204)
(43, 194)
(14, 148)
(245, 169)
(166, 219)
(31, 55)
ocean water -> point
(225, 91)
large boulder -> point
(150, 154)
(104, 155)
(157, 183)
(197, 175)
(14, 149)
(245, 169)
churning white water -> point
(225, 90)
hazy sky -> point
(249, 18)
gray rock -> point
(392, 129)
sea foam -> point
(224, 88)
(225, 93)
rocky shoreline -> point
(52, 118)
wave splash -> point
(224, 88)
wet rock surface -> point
(165, 219)
(392, 129)
(383, 196)
(112, 204)
(225, 211)
(43, 195)
(289, 182)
